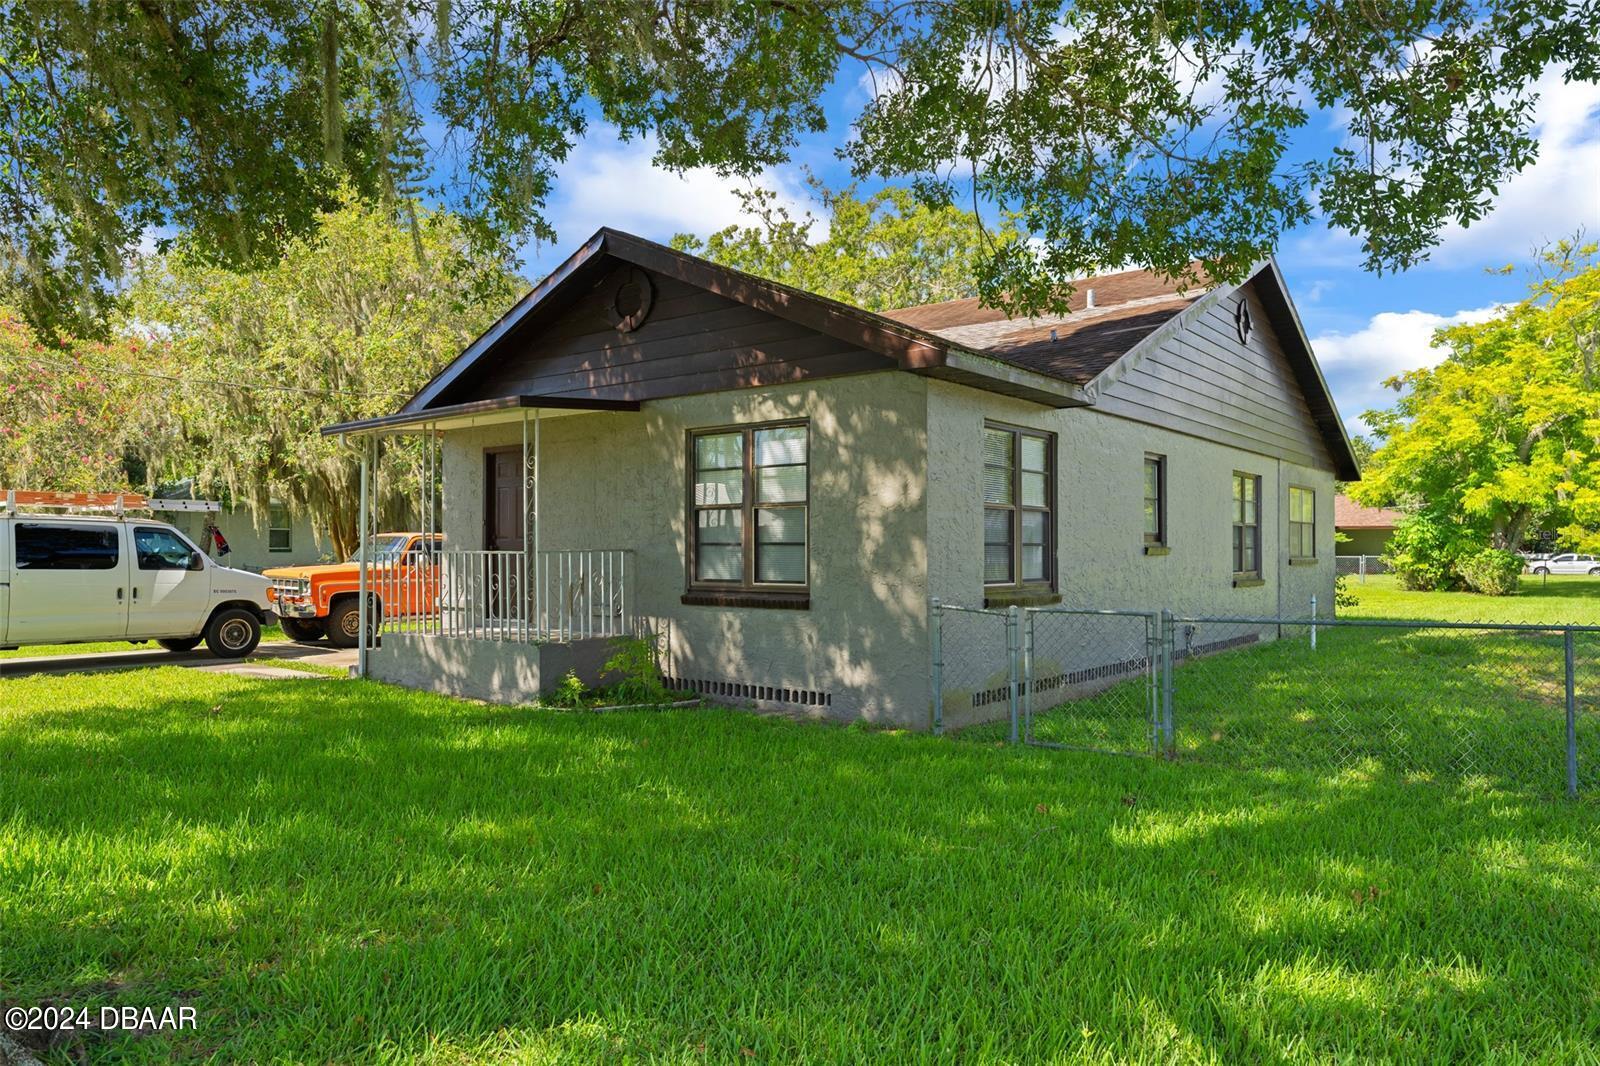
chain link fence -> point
(1504, 705)
(1360, 566)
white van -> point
(69, 579)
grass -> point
(269, 634)
(1557, 599)
(341, 871)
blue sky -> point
(1364, 327)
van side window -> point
(162, 549)
(46, 547)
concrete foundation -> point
(494, 671)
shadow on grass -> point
(345, 871)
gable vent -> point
(744, 690)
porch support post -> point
(524, 591)
(361, 542)
(536, 557)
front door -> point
(503, 526)
(171, 588)
(69, 582)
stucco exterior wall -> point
(618, 480)
(1099, 502)
(896, 517)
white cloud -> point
(607, 181)
(1556, 196)
(1391, 342)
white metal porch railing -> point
(491, 595)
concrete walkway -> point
(259, 664)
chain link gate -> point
(1091, 680)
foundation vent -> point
(744, 690)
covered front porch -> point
(491, 611)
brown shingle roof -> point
(1348, 514)
(1128, 307)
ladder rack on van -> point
(12, 501)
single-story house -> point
(776, 485)
(279, 537)
(1367, 528)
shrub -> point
(1422, 553)
(1343, 594)
(1491, 571)
(570, 693)
(635, 659)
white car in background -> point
(1566, 563)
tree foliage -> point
(69, 410)
(346, 325)
(887, 250)
(1503, 435)
(1113, 131)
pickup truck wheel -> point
(233, 634)
(180, 644)
(344, 621)
(1541, 570)
(303, 632)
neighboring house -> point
(278, 538)
(1368, 528)
(777, 483)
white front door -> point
(69, 582)
(170, 583)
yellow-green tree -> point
(1503, 435)
(346, 324)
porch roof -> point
(475, 413)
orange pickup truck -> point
(325, 601)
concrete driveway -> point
(259, 664)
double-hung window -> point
(1155, 500)
(1018, 507)
(748, 491)
(1246, 525)
(280, 534)
(1302, 523)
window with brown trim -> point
(748, 507)
(1155, 499)
(1302, 523)
(1018, 507)
(1246, 525)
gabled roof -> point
(1348, 514)
(1056, 360)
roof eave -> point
(995, 375)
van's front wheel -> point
(180, 644)
(233, 633)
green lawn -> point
(340, 871)
(269, 634)
(1571, 599)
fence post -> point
(1572, 717)
(1362, 566)
(1027, 676)
(1013, 655)
(937, 635)
(1313, 621)
(1169, 640)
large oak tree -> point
(1156, 133)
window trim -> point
(1293, 555)
(1017, 582)
(788, 592)
(1159, 538)
(288, 527)
(1245, 578)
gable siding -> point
(693, 341)
(1203, 382)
